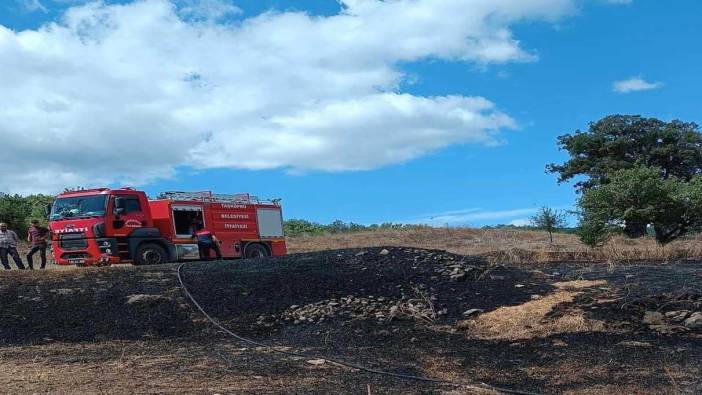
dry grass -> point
(507, 245)
(530, 320)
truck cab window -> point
(131, 204)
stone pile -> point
(447, 265)
(456, 271)
(412, 301)
(346, 308)
(352, 308)
(673, 320)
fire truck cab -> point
(107, 226)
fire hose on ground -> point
(245, 340)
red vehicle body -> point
(106, 226)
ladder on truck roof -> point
(207, 196)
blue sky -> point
(562, 75)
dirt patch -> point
(578, 284)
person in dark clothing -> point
(206, 241)
(8, 246)
(36, 236)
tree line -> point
(300, 227)
(17, 211)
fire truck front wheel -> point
(255, 250)
(150, 254)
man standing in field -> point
(8, 245)
(36, 236)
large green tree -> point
(672, 206)
(619, 142)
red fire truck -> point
(106, 226)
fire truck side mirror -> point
(47, 209)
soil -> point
(556, 328)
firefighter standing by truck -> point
(206, 241)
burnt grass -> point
(250, 297)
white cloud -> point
(33, 5)
(127, 93)
(207, 9)
(472, 215)
(635, 84)
(356, 134)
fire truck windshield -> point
(82, 206)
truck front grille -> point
(73, 241)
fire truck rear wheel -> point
(150, 254)
(256, 251)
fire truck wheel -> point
(256, 251)
(150, 254)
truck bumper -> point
(101, 251)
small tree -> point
(593, 233)
(549, 220)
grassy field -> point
(513, 246)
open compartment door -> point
(185, 217)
